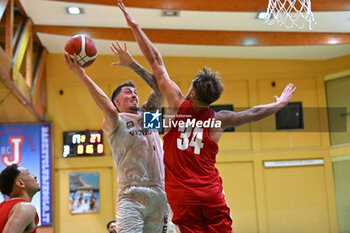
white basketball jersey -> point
(137, 153)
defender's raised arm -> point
(229, 118)
(167, 87)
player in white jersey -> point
(137, 153)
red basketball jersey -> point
(189, 157)
(5, 209)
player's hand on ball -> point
(125, 58)
(72, 64)
(84, 47)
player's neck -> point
(197, 106)
(131, 112)
(24, 196)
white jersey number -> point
(196, 140)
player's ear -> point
(192, 94)
(19, 183)
(116, 102)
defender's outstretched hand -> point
(287, 94)
(128, 17)
(125, 58)
(72, 64)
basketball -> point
(84, 47)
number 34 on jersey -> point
(190, 138)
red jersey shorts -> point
(202, 218)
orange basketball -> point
(84, 47)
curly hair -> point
(7, 178)
(208, 86)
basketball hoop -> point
(290, 13)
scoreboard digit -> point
(82, 143)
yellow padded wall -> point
(296, 200)
(238, 180)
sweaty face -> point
(127, 100)
(29, 180)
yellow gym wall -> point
(265, 200)
(12, 109)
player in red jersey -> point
(17, 214)
(192, 183)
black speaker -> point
(290, 117)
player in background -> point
(137, 153)
(17, 213)
(112, 227)
(192, 183)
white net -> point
(290, 13)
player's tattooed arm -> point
(125, 59)
(155, 101)
(149, 78)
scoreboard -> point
(82, 143)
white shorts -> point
(142, 210)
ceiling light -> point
(170, 13)
(333, 41)
(249, 41)
(73, 10)
(263, 15)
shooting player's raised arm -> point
(110, 122)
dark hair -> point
(208, 86)
(110, 222)
(7, 178)
(119, 88)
